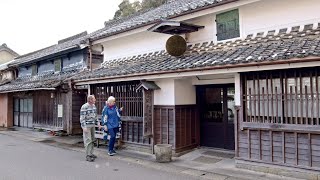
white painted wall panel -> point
(275, 14)
(165, 95)
(134, 45)
(185, 92)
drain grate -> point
(206, 160)
(218, 154)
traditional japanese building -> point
(242, 75)
(40, 94)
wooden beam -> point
(282, 127)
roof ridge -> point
(65, 44)
(33, 52)
(5, 47)
(164, 11)
(79, 35)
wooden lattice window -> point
(282, 96)
(57, 65)
(126, 96)
(34, 70)
(228, 25)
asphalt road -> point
(24, 160)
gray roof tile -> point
(63, 45)
(165, 11)
(48, 80)
(255, 50)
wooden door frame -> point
(19, 111)
(225, 107)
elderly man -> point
(88, 118)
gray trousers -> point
(88, 140)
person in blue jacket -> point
(111, 120)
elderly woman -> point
(111, 118)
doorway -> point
(216, 111)
(23, 112)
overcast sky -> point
(29, 25)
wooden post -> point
(90, 55)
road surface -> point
(22, 159)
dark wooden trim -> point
(174, 128)
(283, 147)
(236, 129)
(161, 126)
(168, 126)
(249, 144)
(260, 145)
(317, 90)
(281, 127)
(243, 114)
(310, 150)
(296, 146)
(271, 145)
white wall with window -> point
(223, 24)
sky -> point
(29, 25)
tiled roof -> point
(165, 11)
(4, 47)
(44, 81)
(261, 47)
(63, 45)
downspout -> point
(90, 53)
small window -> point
(34, 69)
(228, 25)
(57, 65)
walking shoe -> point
(110, 153)
(114, 152)
(93, 156)
(89, 158)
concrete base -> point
(278, 170)
(163, 152)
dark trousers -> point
(113, 132)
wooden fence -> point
(279, 118)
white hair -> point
(90, 97)
(111, 98)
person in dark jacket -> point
(111, 121)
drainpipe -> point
(90, 54)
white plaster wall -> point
(136, 44)
(165, 95)
(184, 91)
(237, 86)
(261, 16)
(204, 34)
(175, 92)
(275, 14)
(255, 17)
(5, 57)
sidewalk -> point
(202, 163)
